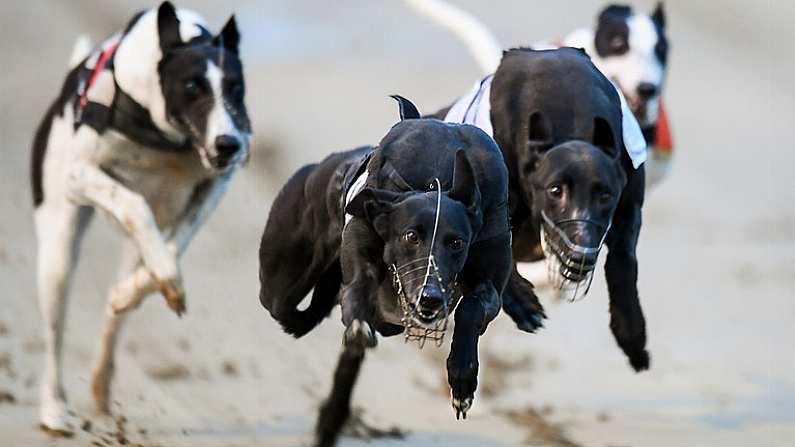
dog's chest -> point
(166, 180)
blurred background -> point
(717, 250)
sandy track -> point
(716, 256)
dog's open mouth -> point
(570, 267)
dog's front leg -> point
(360, 256)
(621, 271)
(129, 292)
(137, 283)
(472, 315)
(203, 202)
(89, 185)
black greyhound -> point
(573, 183)
(414, 229)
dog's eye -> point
(457, 244)
(411, 237)
(605, 198)
(192, 87)
(617, 43)
(555, 191)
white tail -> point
(80, 50)
(481, 42)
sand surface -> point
(717, 250)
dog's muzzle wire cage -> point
(423, 270)
(567, 269)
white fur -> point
(219, 121)
(158, 198)
(80, 50)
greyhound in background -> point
(149, 128)
(629, 47)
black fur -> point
(336, 410)
(407, 109)
(661, 48)
(612, 32)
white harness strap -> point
(474, 108)
(633, 136)
(356, 187)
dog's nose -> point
(431, 300)
(647, 90)
(227, 146)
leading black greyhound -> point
(415, 229)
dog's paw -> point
(54, 418)
(461, 406)
(174, 294)
(359, 335)
(463, 379)
(640, 360)
(521, 304)
(528, 316)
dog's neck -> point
(136, 62)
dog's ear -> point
(408, 111)
(369, 203)
(229, 37)
(168, 26)
(465, 183)
(603, 137)
(658, 16)
(612, 12)
(539, 131)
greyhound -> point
(402, 235)
(150, 127)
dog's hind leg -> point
(126, 295)
(336, 410)
(59, 228)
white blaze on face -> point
(638, 65)
(219, 121)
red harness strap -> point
(101, 63)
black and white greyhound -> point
(149, 127)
